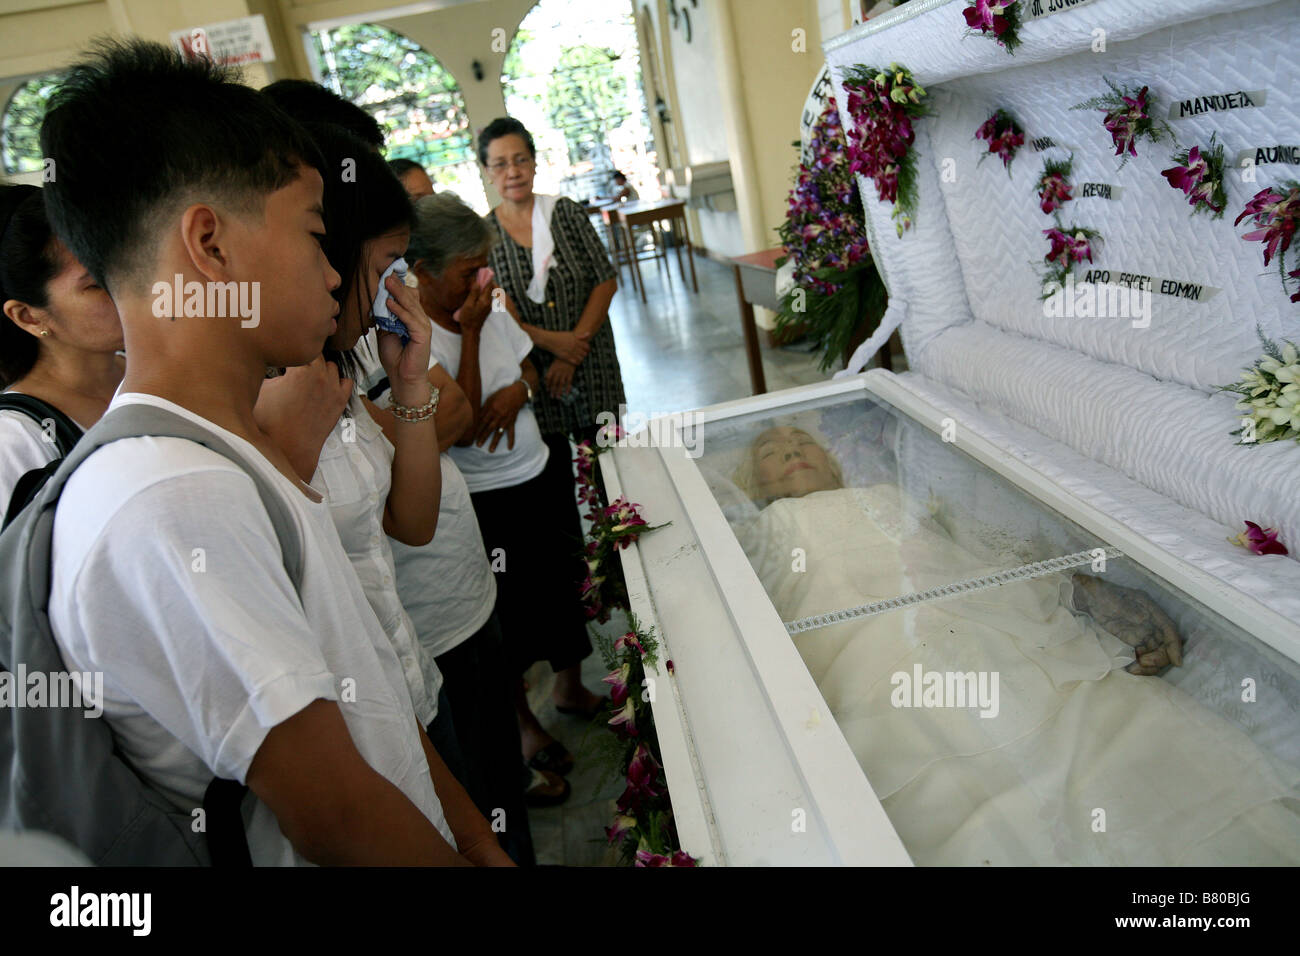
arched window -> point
(20, 127)
(572, 75)
(416, 101)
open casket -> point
(920, 648)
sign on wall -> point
(234, 42)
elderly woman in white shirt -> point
(520, 507)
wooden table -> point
(651, 212)
(756, 285)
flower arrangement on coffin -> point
(613, 528)
(1129, 118)
(1200, 177)
(884, 104)
(1069, 247)
(1270, 395)
(643, 825)
(1259, 540)
(1004, 135)
(1054, 184)
(999, 18)
(1276, 210)
(837, 287)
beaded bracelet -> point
(404, 413)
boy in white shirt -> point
(167, 575)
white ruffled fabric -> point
(1074, 733)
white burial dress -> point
(1083, 763)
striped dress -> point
(579, 265)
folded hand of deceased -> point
(1132, 617)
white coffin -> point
(1114, 429)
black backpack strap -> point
(26, 488)
(66, 432)
(227, 842)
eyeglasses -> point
(501, 165)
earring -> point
(45, 331)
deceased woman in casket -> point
(1084, 758)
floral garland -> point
(1005, 136)
(1054, 184)
(1069, 247)
(1200, 177)
(1128, 118)
(643, 823)
(1001, 18)
(1277, 213)
(825, 236)
(883, 105)
(1270, 394)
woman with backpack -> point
(59, 342)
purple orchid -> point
(1004, 135)
(1053, 192)
(629, 640)
(623, 825)
(1124, 122)
(1279, 216)
(625, 719)
(1260, 540)
(988, 16)
(617, 680)
(682, 858)
(1196, 178)
(647, 859)
(1066, 249)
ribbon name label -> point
(1042, 143)
(1263, 155)
(1100, 191)
(1037, 9)
(1193, 291)
(1217, 103)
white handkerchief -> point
(543, 245)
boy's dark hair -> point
(309, 102)
(402, 166)
(503, 126)
(136, 131)
(364, 204)
(27, 264)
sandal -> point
(547, 790)
(553, 758)
(588, 715)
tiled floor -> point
(678, 351)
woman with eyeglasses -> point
(558, 283)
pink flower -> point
(1066, 249)
(1123, 122)
(1278, 215)
(643, 771)
(617, 680)
(625, 719)
(629, 640)
(1053, 192)
(1003, 134)
(986, 15)
(646, 858)
(623, 825)
(1193, 178)
(1259, 540)
(682, 858)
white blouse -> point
(22, 448)
(355, 473)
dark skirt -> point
(535, 531)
